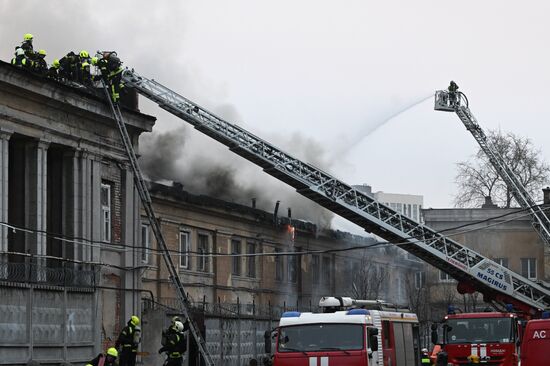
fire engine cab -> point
(470, 338)
(535, 344)
(347, 334)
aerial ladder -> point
(145, 198)
(455, 101)
(473, 271)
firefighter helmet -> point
(42, 52)
(56, 63)
(134, 320)
(112, 352)
(84, 54)
(178, 326)
(28, 37)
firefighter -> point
(53, 71)
(175, 345)
(453, 89)
(114, 78)
(107, 359)
(39, 64)
(20, 59)
(26, 45)
(128, 342)
(68, 66)
(425, 358)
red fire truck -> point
(491, 338)
(536, 342)
(352, 337)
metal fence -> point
(234, 332)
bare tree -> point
(368, 279)
(476, 178)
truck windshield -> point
(321, 337)
(480, 330)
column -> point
(129, 258)
(4, 155)
(93, 210)
(36, 161)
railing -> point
(65, 275)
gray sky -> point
(328, 73)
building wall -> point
(501, 234)
(57, 145)
(300, 280)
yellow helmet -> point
(134, 320)
(56, 63)
(42, 52)
(94, 60)
(28, 37)
(84, 53)
(112, 352)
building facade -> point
(504, 235)
(69, 221)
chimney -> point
(275, 221)
(290, 213)
(488, 203)
(253, 202)
(546, 196)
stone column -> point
(4, 155)
(36, 161)
(93, 210)
(130, 258)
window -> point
(444, 277)
(236, 250)
(203, 248)
(251, 260)
(529, 268)
(279, 266)
(419, 280)
(502, 261)
(145, 243)
(315, 266)
(184, 249)
(326, 271)
(292, 268)
(106, 212)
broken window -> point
(106, 212)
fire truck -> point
(535, 343)
(491, 338)
(347, 333)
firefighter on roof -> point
(39, 64)
(128, 342)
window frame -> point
(236, 266)
(106, 233)
(279, 266)
(145, 249)
(251, 260)
(529, 261)
(446, 279)
(184, 252)
(419, 279)
(203, 263)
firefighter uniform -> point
(175, 344)
(128, 342)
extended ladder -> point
(458, 103)
(155, 225)
(497, 283)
